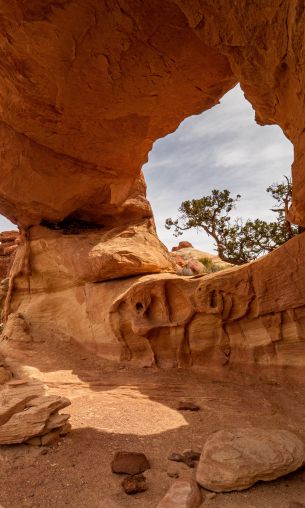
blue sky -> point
(220, 148)
(5, 224)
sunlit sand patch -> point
(124, 410)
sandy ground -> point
(115, 408)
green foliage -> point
(236, 241)
(209, 265)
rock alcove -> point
(86, 90)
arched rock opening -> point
(222, 148)
(86, 89)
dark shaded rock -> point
(189, 457)
(134, 484)
(188, 406)
(129, 463)
(296, 504)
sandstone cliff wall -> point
(86, 88)
(253, 314)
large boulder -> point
(235, 460)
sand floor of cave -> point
(136, 409)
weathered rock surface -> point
(131, 463)
(8, 246)
(87, 87)
(64, 259)
(134, 484)
(235, 460)
(6, 373)
(16, 329)
(182, 494)
(26, 413)
(230, 317)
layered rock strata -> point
(86, 88)
(228, 317)
(27, 415)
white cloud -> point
(221, 148)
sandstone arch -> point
(87, 87)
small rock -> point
(189, 457)
(134, 484)
(182, 494)
(238, 459)
(188, 406)
(129, 463)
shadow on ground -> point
(136, 409)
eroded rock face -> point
(27, 415)
(235, 460)
(228, 317)
(8, 246)
(86, 88)
(65, 258)
(107, 80)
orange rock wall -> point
(86, 88)
(247, 315)
(8, 246)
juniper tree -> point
(237, 241)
